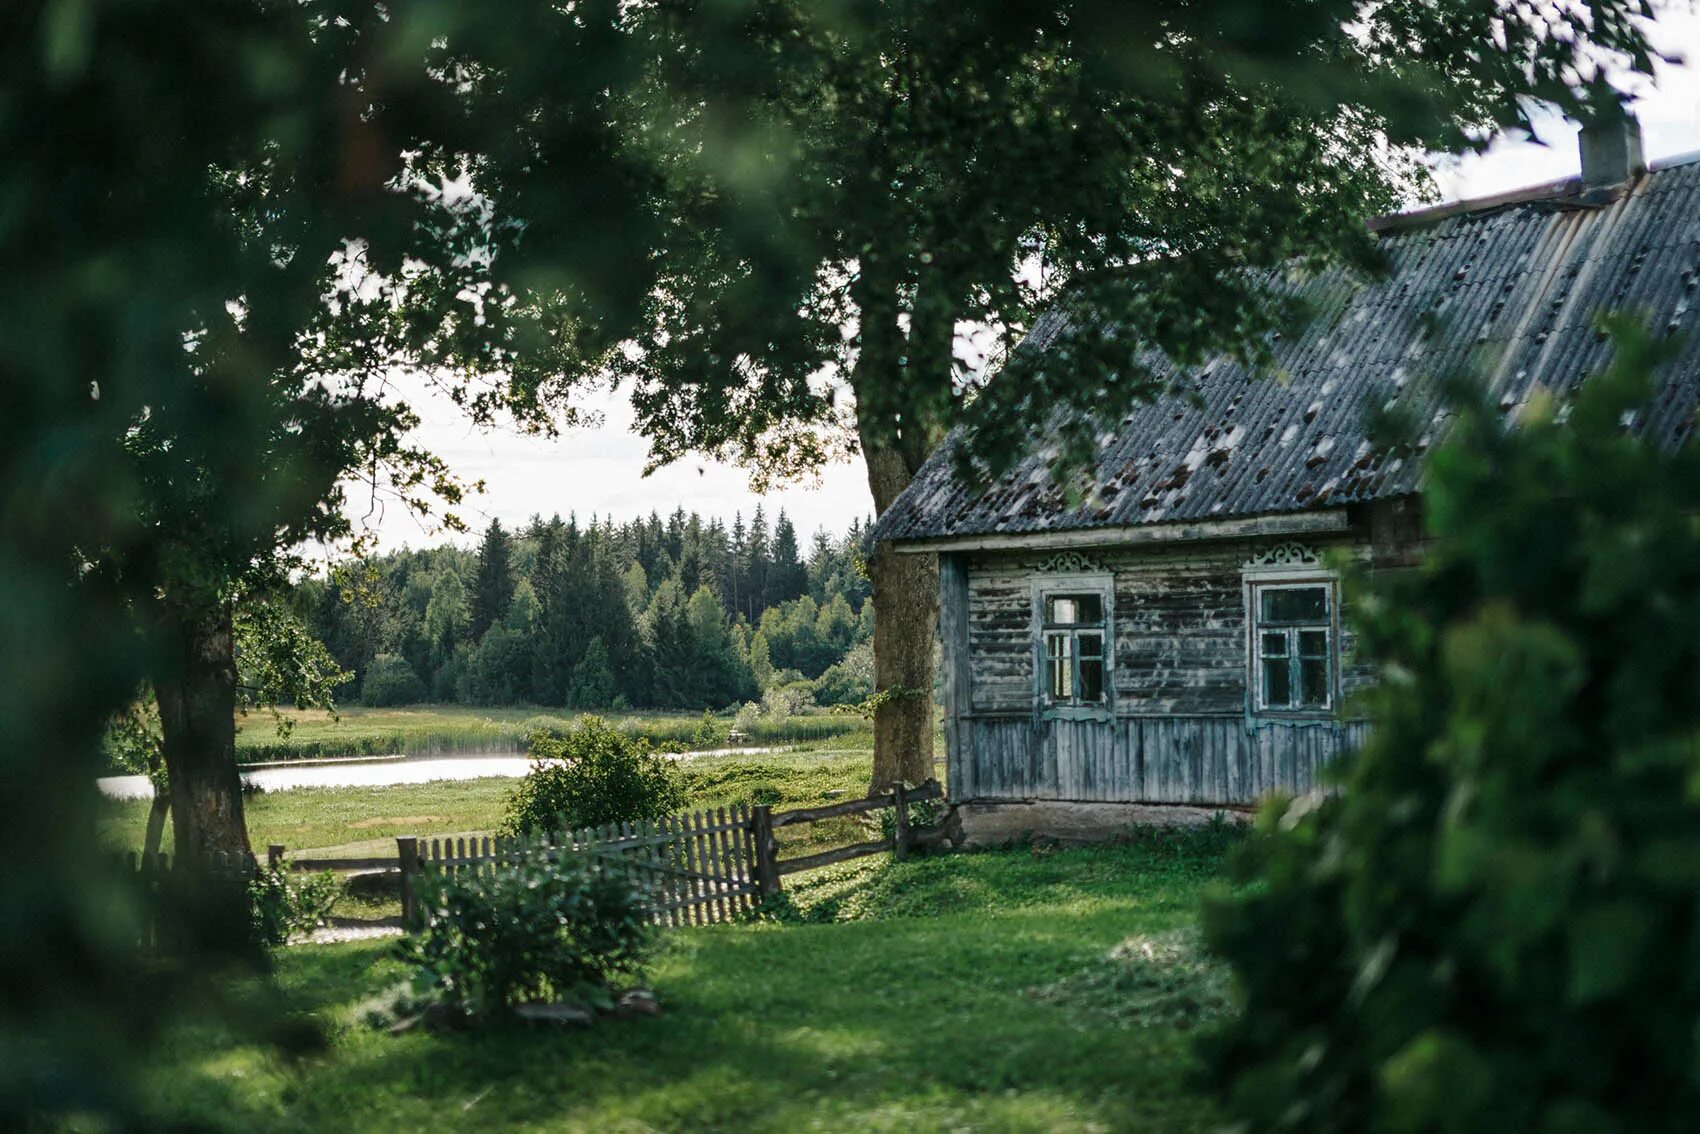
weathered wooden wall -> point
(1178, 730)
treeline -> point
(653, 613)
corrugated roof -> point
(1521, 281)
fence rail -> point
(705, 867)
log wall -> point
(1178, 728)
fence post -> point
(407, 850)
(767, 850)
(900, 806)
(274, 856)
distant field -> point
(355, 821)
(425, 730)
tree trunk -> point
(906, 615)
(196, 689)
(157, 812)
(902, 383)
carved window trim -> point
(1052, 584)
(1290, 567)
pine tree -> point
(593, 685)
(493, 588)
(787, 579)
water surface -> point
(376, 773)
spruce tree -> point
(493, 589)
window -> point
(1294, 639)
(1074, 648)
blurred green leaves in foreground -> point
(1494, 925)
(197, 192)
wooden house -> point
(1175, 638)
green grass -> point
(957, 993)
(422, 730)
(357, 821)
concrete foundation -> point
(995, 824)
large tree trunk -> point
(196, 688)
(902, 382)
(906, 615)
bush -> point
(851, 681)
(783, 701)
(590, 776)
(564, 929)
(391, 681)
(1494, 925)
(285, 906)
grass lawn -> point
(419, 730)
(350, 822)
(966, 993)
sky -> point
(598, 470)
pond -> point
(376, 771)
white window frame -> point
(1257, 581)
(1053, 585)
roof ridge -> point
(1561, 191)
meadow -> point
(430, 730)
(1013, 990)
(356, 821)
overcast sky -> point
(599, 470)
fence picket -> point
(699, 911)
(727, 870)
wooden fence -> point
(704, 867)
(156, 881)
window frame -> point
(1259, 582)
(1047, 586)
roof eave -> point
(1315, 522)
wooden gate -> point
(699, 865)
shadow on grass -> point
(895, 1022)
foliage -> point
(285, 905)
(591, 775)
(1493, 925)
(598, 613)
(851, 680)
(593, 685)
(391, 681)
(551, 927)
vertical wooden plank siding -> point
(957, 686)
(1177, 729)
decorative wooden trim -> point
(1071, 563)
(1283, 556)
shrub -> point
(1494, 925)
(787, 700)
(542, 929)
(285, 906)
(589, 776)
(851, 680)
(391, 681)
(709, 732)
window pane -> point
(1062, 679)
(1295, 604)
(1091, 679)
(1313, 681)
(1091, 645)
(1074, 610)
(1313, 643)
(1059, 666)
(1275, 645)
(1277, 684)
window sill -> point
(1076, 712)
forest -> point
(674, 613)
